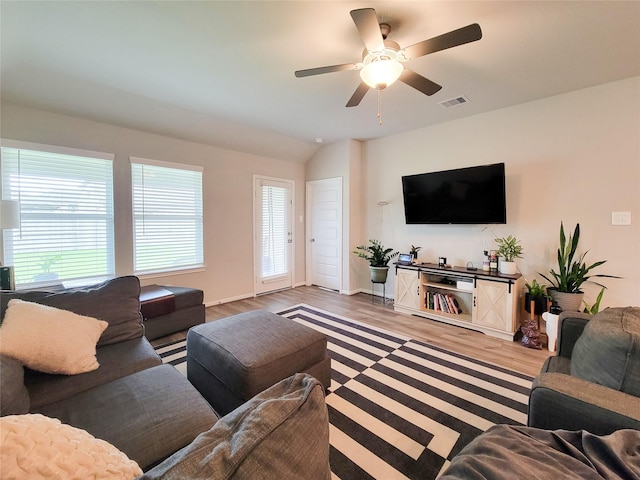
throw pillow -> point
(608, 351)
(115, 301)
(50, 340)
(37, 447)
(280, 433)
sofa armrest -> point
(562, 402)
(570, 327)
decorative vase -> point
(568, 302)
(379, 274)
(507, 268)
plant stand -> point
(384, 291)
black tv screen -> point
(473, 195)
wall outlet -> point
(620, 218)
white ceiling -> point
(221, 73)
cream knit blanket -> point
(37, 447)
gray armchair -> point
(593, 382)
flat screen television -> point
(472, 195)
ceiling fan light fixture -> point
(381, 73)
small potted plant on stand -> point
(572, 273)
(414, 252)
(538, 294)
(508, 250)
(378, 257)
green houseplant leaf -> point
(375, 253)
(535, 289)
(509, 248)
(572, 271)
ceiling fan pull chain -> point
(379, 107)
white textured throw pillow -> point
(50, 340)
(37, 447)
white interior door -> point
(324, 233)
(273, 241)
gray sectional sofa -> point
(593, 383)
(129, 396)
(584, 409)
(146, 409)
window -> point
(167, 216)
(66, 213)
(275, 204)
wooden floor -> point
(359, 307)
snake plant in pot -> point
(378, 257)
(572, 273)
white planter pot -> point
(379, 274)
(568, 302)
(507, 268)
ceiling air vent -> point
(453, 102)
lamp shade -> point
(9, 214)
(381, 73)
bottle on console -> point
(485, 262)
(493, 261)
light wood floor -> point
(359, 307)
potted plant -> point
(414, 252)
(378, 257)
(572, 273)
(538, 294)
(508, 250)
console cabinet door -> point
(408, 289)
(493, 305)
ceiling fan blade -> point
(419, 82)
(367, 24)
(358, 95)
(463, 35)
(332, 68)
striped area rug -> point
(400, 408)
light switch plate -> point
(620, 218)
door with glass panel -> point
(273, 242)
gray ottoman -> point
(231, 360)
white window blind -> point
(66, 211)
(274, 231)
(167, 216)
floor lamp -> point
(9, 219)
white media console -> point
(483, 301)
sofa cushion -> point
(186, 297)
(608, 351)
(512, 452)
(115, 301)
(116, 361)
(50, 340)
(38, 447)
(281, 433)
(556, 365)
(14, 397)
(148, 415)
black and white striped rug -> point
(400, 408)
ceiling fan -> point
(382, 59)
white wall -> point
(344, 160)
(573, 158)
(227, 192)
